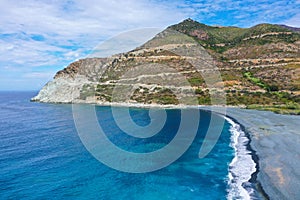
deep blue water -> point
(42, 157)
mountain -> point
(290, 28)
(259, 67)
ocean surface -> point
(42, 157)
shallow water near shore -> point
(43, 157)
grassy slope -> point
(277, 96)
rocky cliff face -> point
(67, 83)
(258, 65)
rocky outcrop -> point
(200, 34)
(61, 90)
(69, 71)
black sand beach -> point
(275, 139)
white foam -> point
(241, 166)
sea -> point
(43, 157)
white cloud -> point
(79, 19)
(70, 28)
(51, 33)
(124, 42)
(46, 35)
(294, 21)
(39, 75)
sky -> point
(40, 37)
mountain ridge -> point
(259, 66)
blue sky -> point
(40, 37)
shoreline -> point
(274, 139)
(255, 186)
(240, 142)
(276, 109)
(142, 105)
(236, 178)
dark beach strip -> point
(252, 186)
(274, 141)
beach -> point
(275, 139)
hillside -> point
(259, 67)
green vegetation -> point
(104, 89)
(254, 80)
(87, 91)
(164, 96)
(247, 98)
(212, 36)
(165, 100)
(280, 109)
(196, 81)
(160, 95)
(232, 75)
(204, 100)
(292, 66)
(295, 82)
(260, 83)
(104, 92)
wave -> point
(242, 165)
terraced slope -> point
(259, 67)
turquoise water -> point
(42, 157)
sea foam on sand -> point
(242, 166)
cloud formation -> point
(47, 35)
(39, 37)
